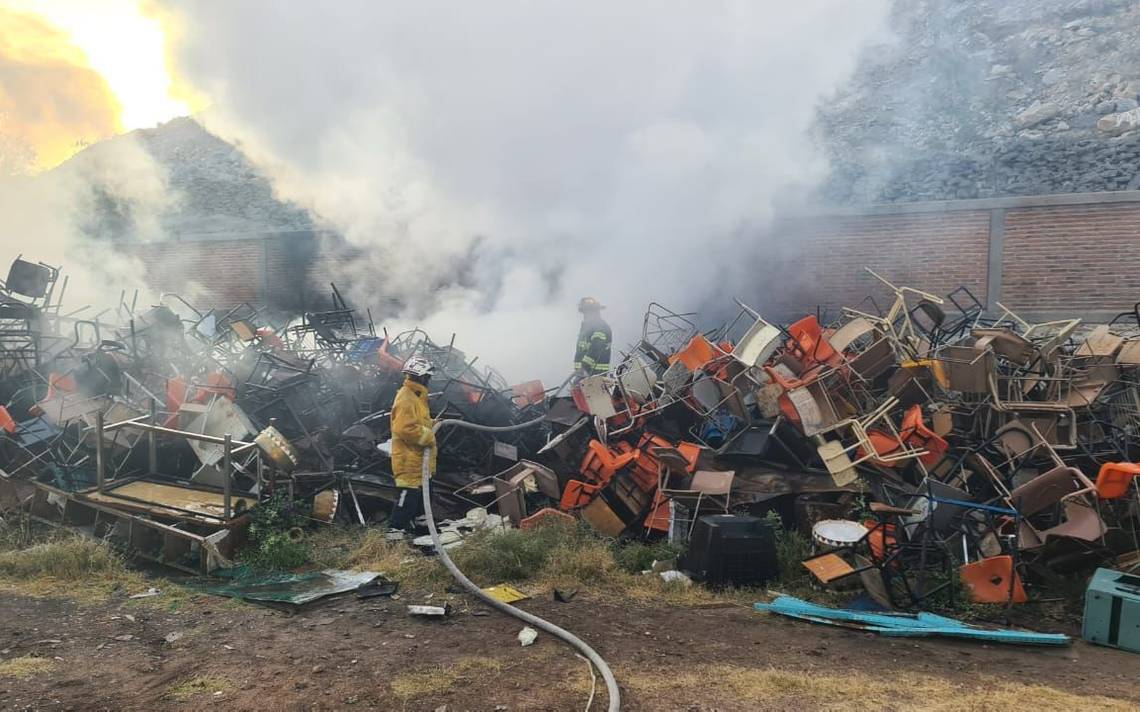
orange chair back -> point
(915, 433)
(601, 463)
(6, 420)
(1114, 479)
(577, 495)
(696, 354)
(657, 520)
(988, 580)
(809, 345)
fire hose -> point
(542, 624)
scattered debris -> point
(923, 444)
(675, 577)
(505, 593)
(152, 591)
(431, 611)
(172, 421)
(378, 586)
(291, 589)
(527, 636)
(904, 624)
(565, 595)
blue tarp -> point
(907, 625)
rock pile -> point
(209, 186)
(984, 98)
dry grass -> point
(200, 685)
(82, 569)
(555, 556)
(772, 689)
(368, 550)
(439, 679)
(68, 559)
(25, 667)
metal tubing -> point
(135, 423)
(100, 456)
(227, 475)
(152, 440)
(123, 423)
(560, 633)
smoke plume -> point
(51, 105)
(68, 216)
(497, 160)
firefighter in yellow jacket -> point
(411, 435)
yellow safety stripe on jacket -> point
(593, 365)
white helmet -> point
(418, 366)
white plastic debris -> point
(152, 591)
(671, 576)
(495, 521)
(527, 636)
(445, 538)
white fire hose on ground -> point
(566, 636)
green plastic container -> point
(1112, 610)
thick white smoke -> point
(501, 159)
(55, 218)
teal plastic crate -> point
(1112, 610)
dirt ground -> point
(344, 653)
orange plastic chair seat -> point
(884, 445)
(602, 463)
(546, 516)
(915, 433)
(577, 495)
(809, 345)
(691, 452)
(1114, 479)
(270, 339)
(698, 352)
(6, 420)
(646, 466)
(880, 538)
(176, 389)
(828, 568)
(216, 384)
(658, 518)
(59, 382)
(988, 580)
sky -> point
(73, 72)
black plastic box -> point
(728, 550)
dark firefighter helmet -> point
(589, 304)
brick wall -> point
(820, 260)
(219, 273)
(214, 273)
(1072, 258)
(1042, 259)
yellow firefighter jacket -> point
(411, 433)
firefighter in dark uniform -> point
(592, 356)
